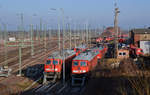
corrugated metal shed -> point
(145, 45)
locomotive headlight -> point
(47, 69)
(75, 71)
(56, 69)
(84, 71)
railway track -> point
(57, 88)
(67, 89)
(34, 60)
(26, 53)
(52, 88)
(28, 61)
(12, 53)
(44, 89)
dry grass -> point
(139, 82)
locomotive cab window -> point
(82, 63)
(55, 62)
(77, 49)
(124, 53)
(75, 63)
(120, 53)
(59, 62)
(48, 62)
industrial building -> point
(141, 38)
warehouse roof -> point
(141, 31)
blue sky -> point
(134, 13)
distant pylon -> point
(116, 28)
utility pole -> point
(49, 34)
(87, 34)
(78, 34)
(63, 45)
(82, 34)
(40, 33)
(20, 44)
(116, 29)
(5, 43)
(37, 33)
(44, 38)
(59, 36)
(1, 35)
(22, 28)
(75, 35)
(70, 35)
(32, 41)
(90, 36)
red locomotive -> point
(54, 65)
(109, 39)
(80, 49)
(98, 40)
(102, 50)
(135, 51)
(82, 65)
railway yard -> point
(70, 56)
(106, 76)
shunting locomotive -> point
(82, 66)
(84, 63)
(54, 65)
(80, 48)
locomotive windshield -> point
(55, 62)
(82, 63)
(48, 62)
(75, 63)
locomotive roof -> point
(82, 46)
(86, 55)
(59, 55)
(100, 47)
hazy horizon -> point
(98, 13)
